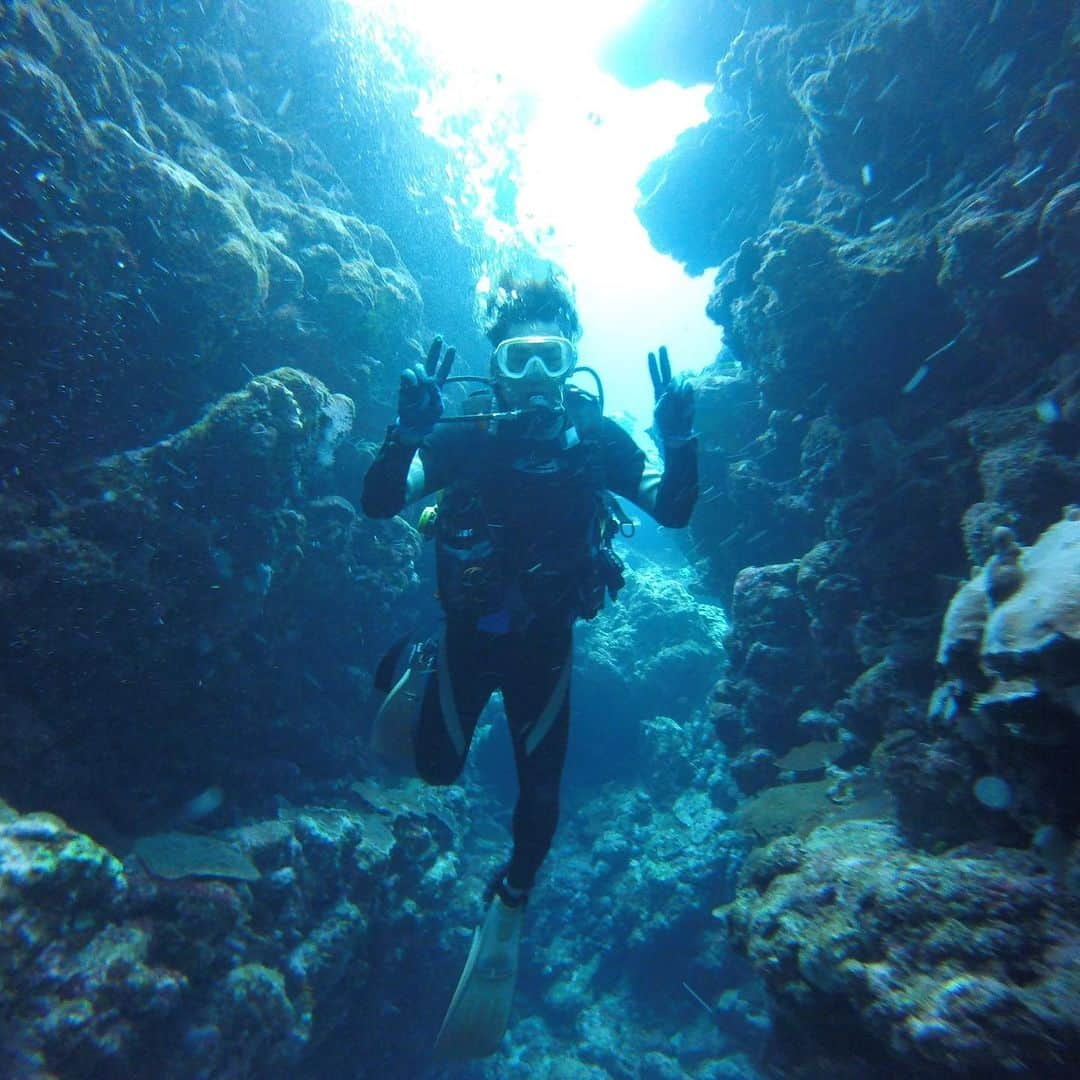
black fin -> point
(384, 673)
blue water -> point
(224, 234)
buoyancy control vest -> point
(527, 527)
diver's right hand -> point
(420, 401)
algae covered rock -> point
(214, 560)
(1011, 637)
(207, 966)
(923, 964)
(179, 855)
(1034, 628)
(76, 979)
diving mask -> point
(538, 357)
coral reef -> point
(925, 965)
(898, 402)
(215, 264)
(634, 990)
(654, 652)
(855, 459)
(1009, 644)
(177, 966)
(195, 571)
(223, 236)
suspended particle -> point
(1047, 411)
(993, 792)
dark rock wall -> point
(112, 971)
(889, 191)
(886, 189)
(221, 237)
(193, 194)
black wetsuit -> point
(517, 548)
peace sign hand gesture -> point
(420, 401)
(673, 416)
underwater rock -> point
(633, 869)
(168, 237)
(111, 967)
(951, 964)
(1034, 629)
(654, 652)
(932, 782)
(810, 757)
(180, 855)
(809, 304)
(200, 566)
(960, 643)
(78, 982)
(1003, 572)
(754, 768)
(1019, 618)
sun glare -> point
(529, 77)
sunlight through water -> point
(522, 102)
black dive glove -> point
(420, 401)
(673, 416)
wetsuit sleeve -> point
(669, 496)
(395, 478)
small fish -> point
(285, 102)
(924, 370)
(20, 131)
(7, 236)
(1048, 411)
(203, 805)
(944, 348)
(1026, 265)
(888, 86)
(1028, 175)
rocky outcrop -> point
(886, 191)
(898, 381)
(178, 967)
(654, 652)
(205, 319)
(894, 961)
(188, 581)
(1009, 641)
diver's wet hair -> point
(544, 300)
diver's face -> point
(538, 388)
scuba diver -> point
(523, 549)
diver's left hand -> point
(673, 415)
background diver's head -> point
(533, 327)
